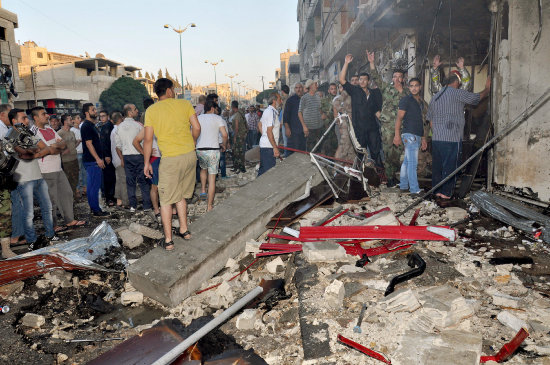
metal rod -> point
(324, 135)
(173, 354)
(329, 182)
(518, 120)
(525, 200)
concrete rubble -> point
(460, 308)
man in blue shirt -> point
(92, 158)
(412, 109)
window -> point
(2, 33)
(39, 55)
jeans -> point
(81, 173)
(267, 160)
(133, 166)
(27, 190)
(94, 177)
(445, 159)
(408, 177)
(223, 171)
(17, 222)
(251, 138)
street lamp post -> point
(215, 77)
(180, 31)
(239, 97)
(231, 77)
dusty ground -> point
(88, 307)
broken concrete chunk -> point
(130, 297)
(455, 214)
(252, 247)
(350, 269)
(230, 263)
(326, 251)
(447, 347)
(510, 320)
(9, 289)
(275, 265)
(384, 218)
(403, 300)
(33, 320)
(145, 231)
(61, 357)
(445, 306)
(59, 278)
(246, 320)
(504, 300)
(130, 239)
(334, 294)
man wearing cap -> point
(309, 114)
(446, 115)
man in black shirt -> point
(363, 113)
(412, 111)
(92, 158)
(294, 128)
(109, 175)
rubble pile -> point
(452, 302)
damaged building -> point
(505, 39)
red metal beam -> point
(21, 269)
(508, 349)
(419, 233)
(357, 250)
(363, 349)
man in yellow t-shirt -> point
(175, 124)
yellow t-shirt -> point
(170, 121)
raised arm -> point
(347, 60)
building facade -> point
(10, 85)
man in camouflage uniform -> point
(437, 75)
(391, 94)
(330, 143)
(342, 105)
(239, 137)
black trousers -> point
(372, 140)
(109, 182)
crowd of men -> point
(172, 145)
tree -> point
(147, 75)
(160, 74)
(139, 74)
(125, 90)
(264, 95)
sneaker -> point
(132, 210)
(418, 194)
(101, 213)
(54, 238)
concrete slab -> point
(170, 277)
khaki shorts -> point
(177, 178)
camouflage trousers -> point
(5, 213)
(345, 150)
(392, 153)
(238, 154)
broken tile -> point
(402, 300)
(445, 306)
(275, 265)
(384, 218)
(455, 214)
(131, 297)
(510, 320)
(145, 231)
(8, 290)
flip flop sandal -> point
(168, 246)
(60, 229)
(203, 196)
(77, 224)
(184, 234)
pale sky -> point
(247, 34)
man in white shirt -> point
(270, 127)
(30, 184)
(133, 159)
(81, 186)
(208, 149)
(121, 193)
(59, 189)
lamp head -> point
(206, 61)
(166, 26)
(193, 25)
